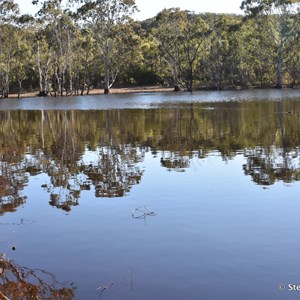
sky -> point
(149, 8)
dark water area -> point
(151, 197)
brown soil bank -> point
(123, 90)
(144, 89)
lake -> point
(151, 196)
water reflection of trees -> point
(266, 165)
(115, 171)
(12, 181)
(12, 175)
(112, 174)
(18, 282)
(175, 161)
(281, 162)
(55, 143)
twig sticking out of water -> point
(142, 213)
(22, 222)
(103, 288)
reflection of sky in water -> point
(217, 230)
(277, 157)
(212, 224)
(90, 157)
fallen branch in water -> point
(142, 213)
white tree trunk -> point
(107, 65)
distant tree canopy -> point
(73, 46)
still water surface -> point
(151, 196)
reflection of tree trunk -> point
(12, 132)
(65, 137)
(281, 124)
(192, 121)
(109, 127)
(51, 127)
(73, 133)
(42, 128)
(283, 138)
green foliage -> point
(256, 7)
(181, 37)
(73, 46)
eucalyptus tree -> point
(293, 64)
(218, 68)
(258, 53)
(9, 11)
(195, 35)
(43, 59)
(293, 53)
(279, 15)
(84, 61)
(240, 53)
(148, 68)
(105, 18)
(181, 36)
(57, 32)
(23, 62)
(130, 56)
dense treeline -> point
(73, 46)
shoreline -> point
(120, 90)
(129, 90)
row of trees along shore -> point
(73, 46)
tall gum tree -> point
(168, 33)
(282, 31)
(181, 36)
(58, 27)
(105, 17)
(23, 61)
(9, 11)
(219, 66)
(293, 60)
